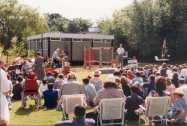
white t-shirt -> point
(120, 51)
(42, 88)
(4, 87)
(184, 72)
(4, 82)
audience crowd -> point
(134, 85)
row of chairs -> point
(113, 109)
(116, 106)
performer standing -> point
(120, 53)
(4, 91)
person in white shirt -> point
(184, 72)
(120, 53)
(9, 96)
(4, 91)
(43, 87)
(90, 91)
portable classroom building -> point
(73, 44)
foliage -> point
(18, 21)
(57, 22)
(143, 26)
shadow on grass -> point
(131, 123)
(25, 111)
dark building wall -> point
(74, 48)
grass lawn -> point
(30, 117)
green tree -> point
(18, 21)
(145, 24)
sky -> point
(88, 9)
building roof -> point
(71, 35)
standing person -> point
(4, 91)
(39, 67)
(120, 53)
(25, 68)
(9, 96)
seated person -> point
(30, 88)
(178, 111)
(79, 119)
(96, 81)
(43, 87)
(132, 103)
(110, 90)
(50, 77)
(90, 91)
(138, 79)
(59, 82)
(17, 89)
(72, 86)
(50, 97)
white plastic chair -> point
(157, 106)
(110, 110)
(70, 101)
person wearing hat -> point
(179, 109)
(181, 80)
